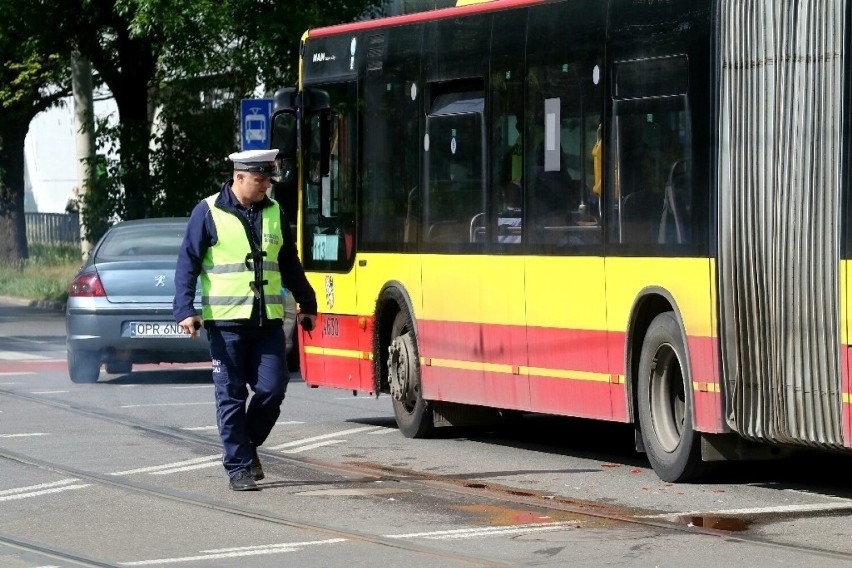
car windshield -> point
(150, 240)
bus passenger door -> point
(333, 354)
(452, 239)
(566, 307)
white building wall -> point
(50, 167)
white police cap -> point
(253, 160)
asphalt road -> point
(127, 472)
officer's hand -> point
(308, 321)
(190, 325)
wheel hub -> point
(401, 361)
(667, 398)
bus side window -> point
(652, 133)
(654, 185)
(329, 200)
(454, 202)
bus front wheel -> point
(413, 414)
(665, 407)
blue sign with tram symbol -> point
(255, 123)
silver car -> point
(119, 308)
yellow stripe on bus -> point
(347, 353)
(567, 374)
(706, 387)
(522, 370)
(847, 398)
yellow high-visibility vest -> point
(228, 271)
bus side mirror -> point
(285, 122)
(285, 133)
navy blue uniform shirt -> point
(201, 234)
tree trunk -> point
(136, 76)
(13, 228)
(135, 161)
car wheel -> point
(119, 367)
(83, 366)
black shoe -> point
(242, 481)
(256, 469)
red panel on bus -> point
(846, 365)
(502, 390)
(585, 399)
(707, 392)
(331, 354)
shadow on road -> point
(159, 377)
(821, 473)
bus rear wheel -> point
(665, 406)
(413, 414)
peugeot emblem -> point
(160, 280)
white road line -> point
(37, 487)
(48, 392)
(193, 387)
(235, 552)
(311, 446)
(168, 465)
(165, 404)
(21, 356)
(14, 374)
(488, 531)
(323, 437)
(383, 431)
(22, 340)
(203, 428)
(42, 492)
(265, 546)
(24, 435)
(187, 467)
(812, 508)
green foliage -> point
(192, 62)
(190, 161)
(54, 255)
(45, 275)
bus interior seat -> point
(639, 217)
(477, 228)
(450, 231)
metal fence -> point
(53, 228)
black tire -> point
(119, 367)
(413, 414)
(83, 366)
(665, 405)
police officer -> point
(239, 242)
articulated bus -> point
(625, 210)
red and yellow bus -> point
(626, 210)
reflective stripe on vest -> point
(228, 271)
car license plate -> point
(155, 329)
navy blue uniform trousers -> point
(243, 358)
